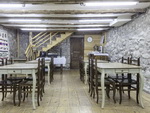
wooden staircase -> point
(44, 41)
(57, 41)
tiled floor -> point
(67, 94)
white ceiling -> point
(65, 15)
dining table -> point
(22, 69)
(116, 68)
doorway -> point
(76, 51)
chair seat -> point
(107, 82)
(8, 82)
(15, 78)
(117, 78)
(127, 81)
(4, 82)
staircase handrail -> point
(44, 40)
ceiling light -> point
(96, 20)
(11, 5)
(91, 25)
(92, 29)
(24, 20)
(110, 3)
(33, 25)
(33, 29)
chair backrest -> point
(8, 61)
(99, 57)
(90, 58)
(1, 62)
(40, 71)
(52, 64)
(134, 61)
(95, 71)
(81, 65)
(90, 67)
(125, 60)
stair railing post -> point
(50, 38)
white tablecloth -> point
(98, 53)
(57, 61)
(60, 60)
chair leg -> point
(19, 95)
(43, 88)
(97, 94)
(108, 90)
(137, 94)
(27, 91)
(129, 88)
(14, 94)
(3, 93)
(5, 90)
(41, 94)
(120, 92)
(38, 96)
(93, 93)
(24, 90)
(114, 93)
(137, 89)
(89, 88)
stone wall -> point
(23, 41)
(11, 33)
(65, 46)
(132, 39)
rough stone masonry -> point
(132, 39)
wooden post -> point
(30, 38)
(61, 65)
(18, 44)
(30, 43)
(50, 38)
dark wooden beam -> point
(61, 1)
(60, 18)
(72, 11)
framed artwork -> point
(4, 45)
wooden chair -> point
(124, 61)
(51, 69)
(43, 74)
(137, 63)
(126, 83)
(89, 71)
(81, 69)
(25, 86)
(96, 81)
(8, 86)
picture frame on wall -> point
(4, 45)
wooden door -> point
(76, 51)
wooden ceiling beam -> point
(72, 11)
(58, 18)
(54, 23)
(60, 1)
